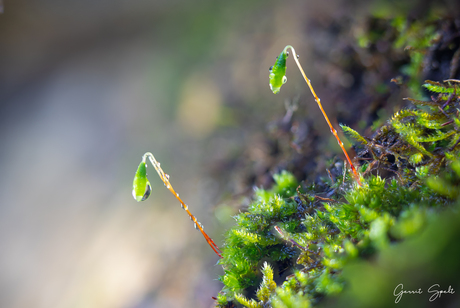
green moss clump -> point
(304, 236)
(253, 238)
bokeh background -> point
(86, 87)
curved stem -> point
(165, 178)
(318, 101)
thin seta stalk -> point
(278, 78)
(141, 191)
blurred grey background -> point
(86, 87)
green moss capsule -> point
(278, 72)
(141, 185)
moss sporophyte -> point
(141, 191)
(278, 78)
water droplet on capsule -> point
(270, 68)
(287, 53)
(284, 79)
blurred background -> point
(86, 87)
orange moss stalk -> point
(278, 78)
(141, 191)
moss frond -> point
(268, 285)
(421, 103)
(353, 134)
(246, 302)
(437, 87)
